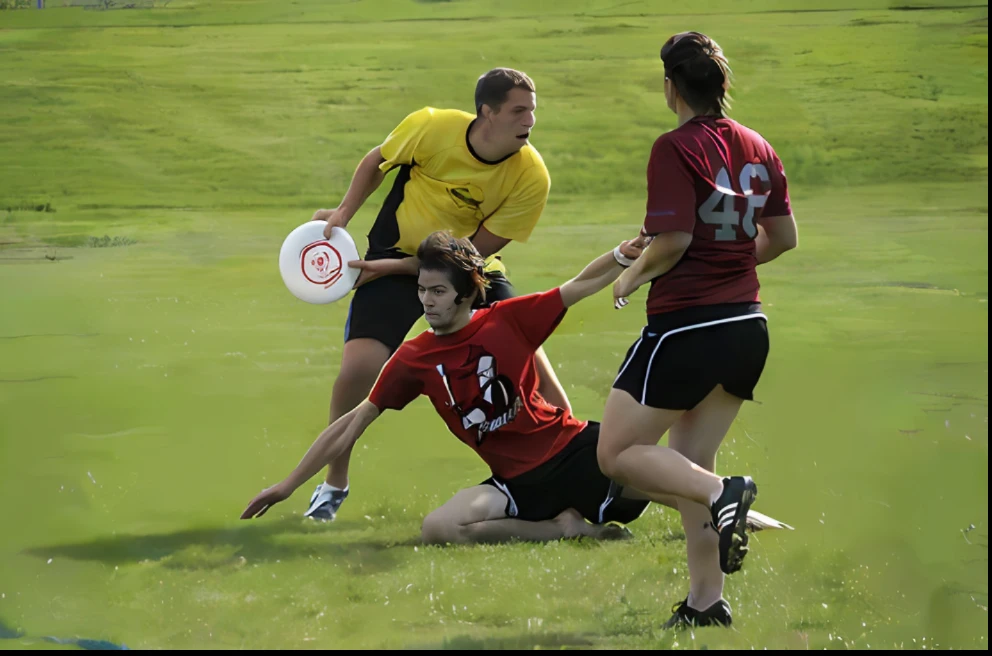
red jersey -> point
(482, 380)
(714, 178)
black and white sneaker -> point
(325, 502)
(730, 520)
(684, 617)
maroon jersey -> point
(482, 380)
(714, 178)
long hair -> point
(458, 258)
(700, 71)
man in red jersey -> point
(478, 368)
(717, 207)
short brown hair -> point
(697, 66)
(492, 87)
(458, 258)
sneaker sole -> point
(738, 538)
(320, 513)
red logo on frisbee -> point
(321, 263)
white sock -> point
(716, 495)
(326, 487)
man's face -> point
(514, 120)
(438, 295)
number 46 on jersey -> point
(731, 210)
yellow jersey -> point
(443, 184)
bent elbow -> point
(784, 241)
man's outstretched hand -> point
(265, 500)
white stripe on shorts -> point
(628, 361)
(513, 504)
(647, 374)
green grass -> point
(148, 390)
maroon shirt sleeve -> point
(397, 384)
(671, 191)
(778, 203)
(536, 315)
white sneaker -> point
(325, 502)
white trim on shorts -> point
(647, 373)
(603, 506)
(633, 354)
(514, 511)
(611, 494)
(616, 491)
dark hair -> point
(700, 71)
(492, 87)
(442, 252)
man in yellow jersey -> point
(474, 175)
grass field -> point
(152, 385)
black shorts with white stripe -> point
(682, 356)
(571, 479)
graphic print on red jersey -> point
(482, 381)
(492, 400)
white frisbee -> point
(316, 269)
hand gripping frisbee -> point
(316, 269)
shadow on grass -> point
(253, 542)
(9, 633)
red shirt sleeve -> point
(536, 315)
(778, 203)
(397, 384)
(671, 191)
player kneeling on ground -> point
(478, 368)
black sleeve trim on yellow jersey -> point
(385, 231)
(475, 154)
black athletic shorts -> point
(571, 479)
(386, 308)
(682, 356)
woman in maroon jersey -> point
(717, 207)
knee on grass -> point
(438, 529)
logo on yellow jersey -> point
(467, 197)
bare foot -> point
(573, 524)
(612, 532)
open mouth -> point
(525, 135)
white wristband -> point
(621, 259)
